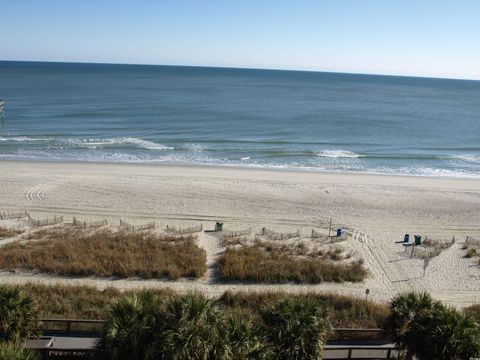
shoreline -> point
(366, 177)
(377, 209)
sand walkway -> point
(377, 209)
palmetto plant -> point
(248, 340)
(297, 328)
(428, 330)
(130, 327)
(403, 310)
(446, 334)
(13, 351)
(195, 328)
(18, 315)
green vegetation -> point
(473, 311)
(13, 351)
(18, 315)
(427, 329)
(297, 329)
(274, 265)
(18, 321)
(83, 302)
(344, 311)
(105, 253)
(143, 326)
(273, 325)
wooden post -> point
(330, 228)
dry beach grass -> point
(106, 253)
(83, 302)
(275, 264)
(377, 210)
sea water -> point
(240, 117)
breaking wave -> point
(338, 154)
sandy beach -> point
(378, 210)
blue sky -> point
(405, 37)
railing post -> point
(389, 353)
(349, 356)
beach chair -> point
(406, 239)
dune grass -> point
(473, 311)
(344, 311)
(105, 253)
(77, 302)
(83, 302)
(6, 232)
(274, 265)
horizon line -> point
(246, 68)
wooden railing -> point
(96, 326)
(348, 352)
(338, 346)
(337, 352)
(71, 326)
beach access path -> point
(376, 209)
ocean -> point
(312, 121)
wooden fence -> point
(183, 231)
(13, 216)
(89, 225)
(439, 243)
(132, 228)
(431, 247)
(344, 343)
(273, 235)
(238, 233)
(52, 325)
(44, 222)
(471, 241)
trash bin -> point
(339, 232)
(219, 226)
(406, 238)
(418, 239)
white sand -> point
(378, 209)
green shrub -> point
(130, 327)
(344, 311)
(14, 351)
(297, 328)
(18, 315)
(473, 311)
(430, 330)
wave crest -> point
(337, 154)
(103, 142)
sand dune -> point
(377, 210)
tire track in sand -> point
(362, 243)
(38, 193)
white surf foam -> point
(338, 154)
(95, 143)
(196, 147)
(470, 158)
(23, 138)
